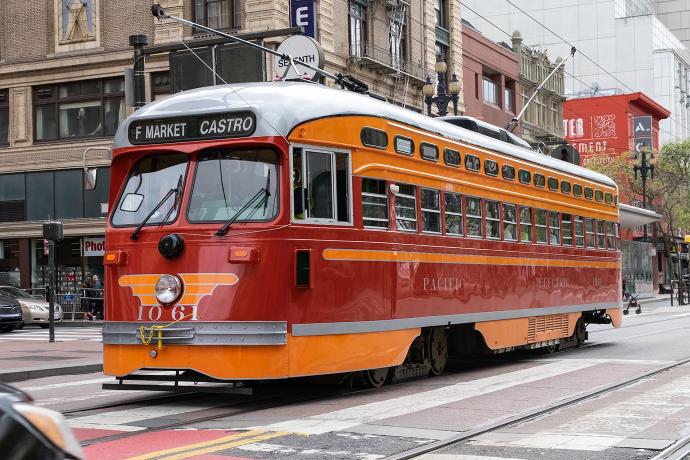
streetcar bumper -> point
(252, 354)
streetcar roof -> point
(281, 106)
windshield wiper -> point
(263, 192)
(172, 191)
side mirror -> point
(90, 175)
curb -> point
(78, 323)
(31, 373)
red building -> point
(491, 78)
(601, 126)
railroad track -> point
(676, 452)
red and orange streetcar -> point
(274, 230)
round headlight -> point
(168, 289)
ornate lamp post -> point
(645, 169)
(443, 97)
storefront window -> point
(9, 263)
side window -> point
(579, 232)
(589, 193)
(472, 163)
(493, 220)
(618, 236)
(490, 168)
(553, 184)
(403, 145)
(321, 185)
(451, 157)
(591, 239)
(508, 172)
(374, 203)
(474, 216)
(610, 236)
(539, 180)
(577, 189)
(608, 198)
(554, 228)
(524, 176)
(540, 220)
(429, 151)
(565, 187)
(453, 212)
(525, 224)
(406, 208)
(598, 196)
(509, 222)
(601, 235)
(567, 226)
(431, 211)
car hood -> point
(37, 302)
(5, 300)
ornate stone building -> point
(62, 91)
(542, 123)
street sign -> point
(303, 14)
(303, 49)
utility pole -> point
(139, 42)
(644, 168)
(52, 231)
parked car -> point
(10, 314)
(29, 432)
(34, 309)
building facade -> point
(491, 76)
(62, 91)
(620, 44)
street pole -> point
(51, 291)
(139, 42)
(644, 168)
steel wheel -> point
(375, 378)
(580, 332)
(438, 350)
(549, 349)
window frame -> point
(489, 161)
(590, 243)
(577, 190)
(320, 221)
(534, 179)
(506, 167)
(578, 222)
(610, 238)
(505, 222)
(556, 228)
(453, 213)
(204, 21)
(433, 146)
(469, 216)
(478, 162)
(571, 234)
(362, 194)
(404, 138)
(529, 177)
(5, 107)
(545, 226)
(445, 157)
(567, 185)
(551, 180)
(438, 211)
(601, 234)
(488, 219)
(415, 207)
(357, 22)
(529, 224)
(367, 129)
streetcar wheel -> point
(438, 350)
(580, 332)
(375, 378)
(549, 349)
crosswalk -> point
(63, 334)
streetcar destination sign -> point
(202, 127)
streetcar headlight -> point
(168, 289)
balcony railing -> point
(377, 57)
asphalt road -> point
(293, 420)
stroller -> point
(632, 303)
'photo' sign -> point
(92, 246)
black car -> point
(10, 314)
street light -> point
(443, 97)
(644, 168)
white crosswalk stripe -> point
(89, 334)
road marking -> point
(214, 445)
(66, 384)
(462, 457)
(347, 418)
(267, 448)
(607, 426)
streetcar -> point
(274, 230)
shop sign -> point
(303, 14)
(92, 246)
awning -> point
(631, 216)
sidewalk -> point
(24, 356)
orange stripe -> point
(132, 280)
(441, 258)
(209, 278)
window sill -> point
(72, 139)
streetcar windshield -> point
(226, 181)
(149, 182)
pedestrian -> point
(97, 297)
(86, 301)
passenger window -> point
(374, 203)
(493, 220)
(474, 217)
(326, 196)
(490, 168)
(540, 220)
(601, 235)
(539, 180)
(403, 145)
(591, 238)
(610, 236)
(577, 189)
(608, 198)
(431, 211)
(508, 172)
(509, 222)
(579, 232)
(525, 224)
(451, 157)
(589, 193)
(524, 176)
(554, 228)
(453, 213)
(374, 138)
(553, 184)
(565, 187)
(429, 151)
(406, 208)
(618, 235)
(567, 227)
(598, 196)
(472, 163)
